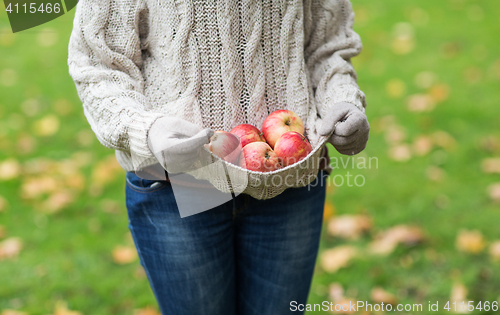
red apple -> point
(260, 157)
(226, 146)
(279, 122)
(292, 147)
(247, 134)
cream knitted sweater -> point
(214, 63)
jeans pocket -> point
(138, 184)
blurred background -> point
(423, 228)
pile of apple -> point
(281, 143)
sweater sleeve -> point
(104, 59)
(330, 43)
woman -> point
(165, 74)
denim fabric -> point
(251, 260)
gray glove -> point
(350, 128)
(177, 143)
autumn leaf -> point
(387, 241)
(439, 92)
(349, 226)
(9, 169)
(379, 295)
(146, 311)
(328, 210)
(47, 126)
(422, 145)
(12, 312)
(435, 173)
(395, 88)
(491, 166)
(470, 241)
(494, 192)
(420, 103)
(341, 304)
(338, 257)
(395, 134)
(459, 294)
(425, 79)
(494, 251)
(105, 171)
(62, 309)
(57, 201)
(444, 140)
(400, 153)
(124, 254)
(10, 248)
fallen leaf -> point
(9, 169)
(33, 187)
(349, 226)
(420, 103)
(336, 291)
(47, 126)
(400, 153)
(459, 294)
(338, 257)
(494, 192)
(435, 173)
(345, 306)
(57, 201)
(10, 247)
(387, 241)
(422, 145)
(140, 273)
(25, 144)
(490, 144)
(439, 92)
(379, 295)
(105, 171)
(12, 312)
(495, 250)
(328, 210)
(395, 88)
(62, 309)
(491, 166)
(146, 311)
(444, 140)
(470, 241)
(395, 134)
(124, 254)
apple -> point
(247, 134)
(260, 157)
(292, 147)
(226, 146)
(279, 122)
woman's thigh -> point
(276, 244)
(189, 261)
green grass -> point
(67, 255)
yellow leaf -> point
(435, 173)
(9, 169)
(425, 79)
(387, 241)
(439, 92)
(444, 140)
(47, 126)
(338, 257)
(420, 103)
(400, 153)
(459, 294)
(395, 88)
(328, 211)
(47, 37)
(146, 311)
(494, 191)
(12, 312)
(349, 226)
(10, 247)
(422, 145)
(494, 251)
(395, 134)
(491, 165)
(124, 254)
(379, 295)
(57, 201)
(470, 241)
(62, 309)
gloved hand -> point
(350, 125)
(176, 143)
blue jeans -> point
(254, 259)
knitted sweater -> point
(214, 63)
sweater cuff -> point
(344, 90)
(138, 130)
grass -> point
(67, 255)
